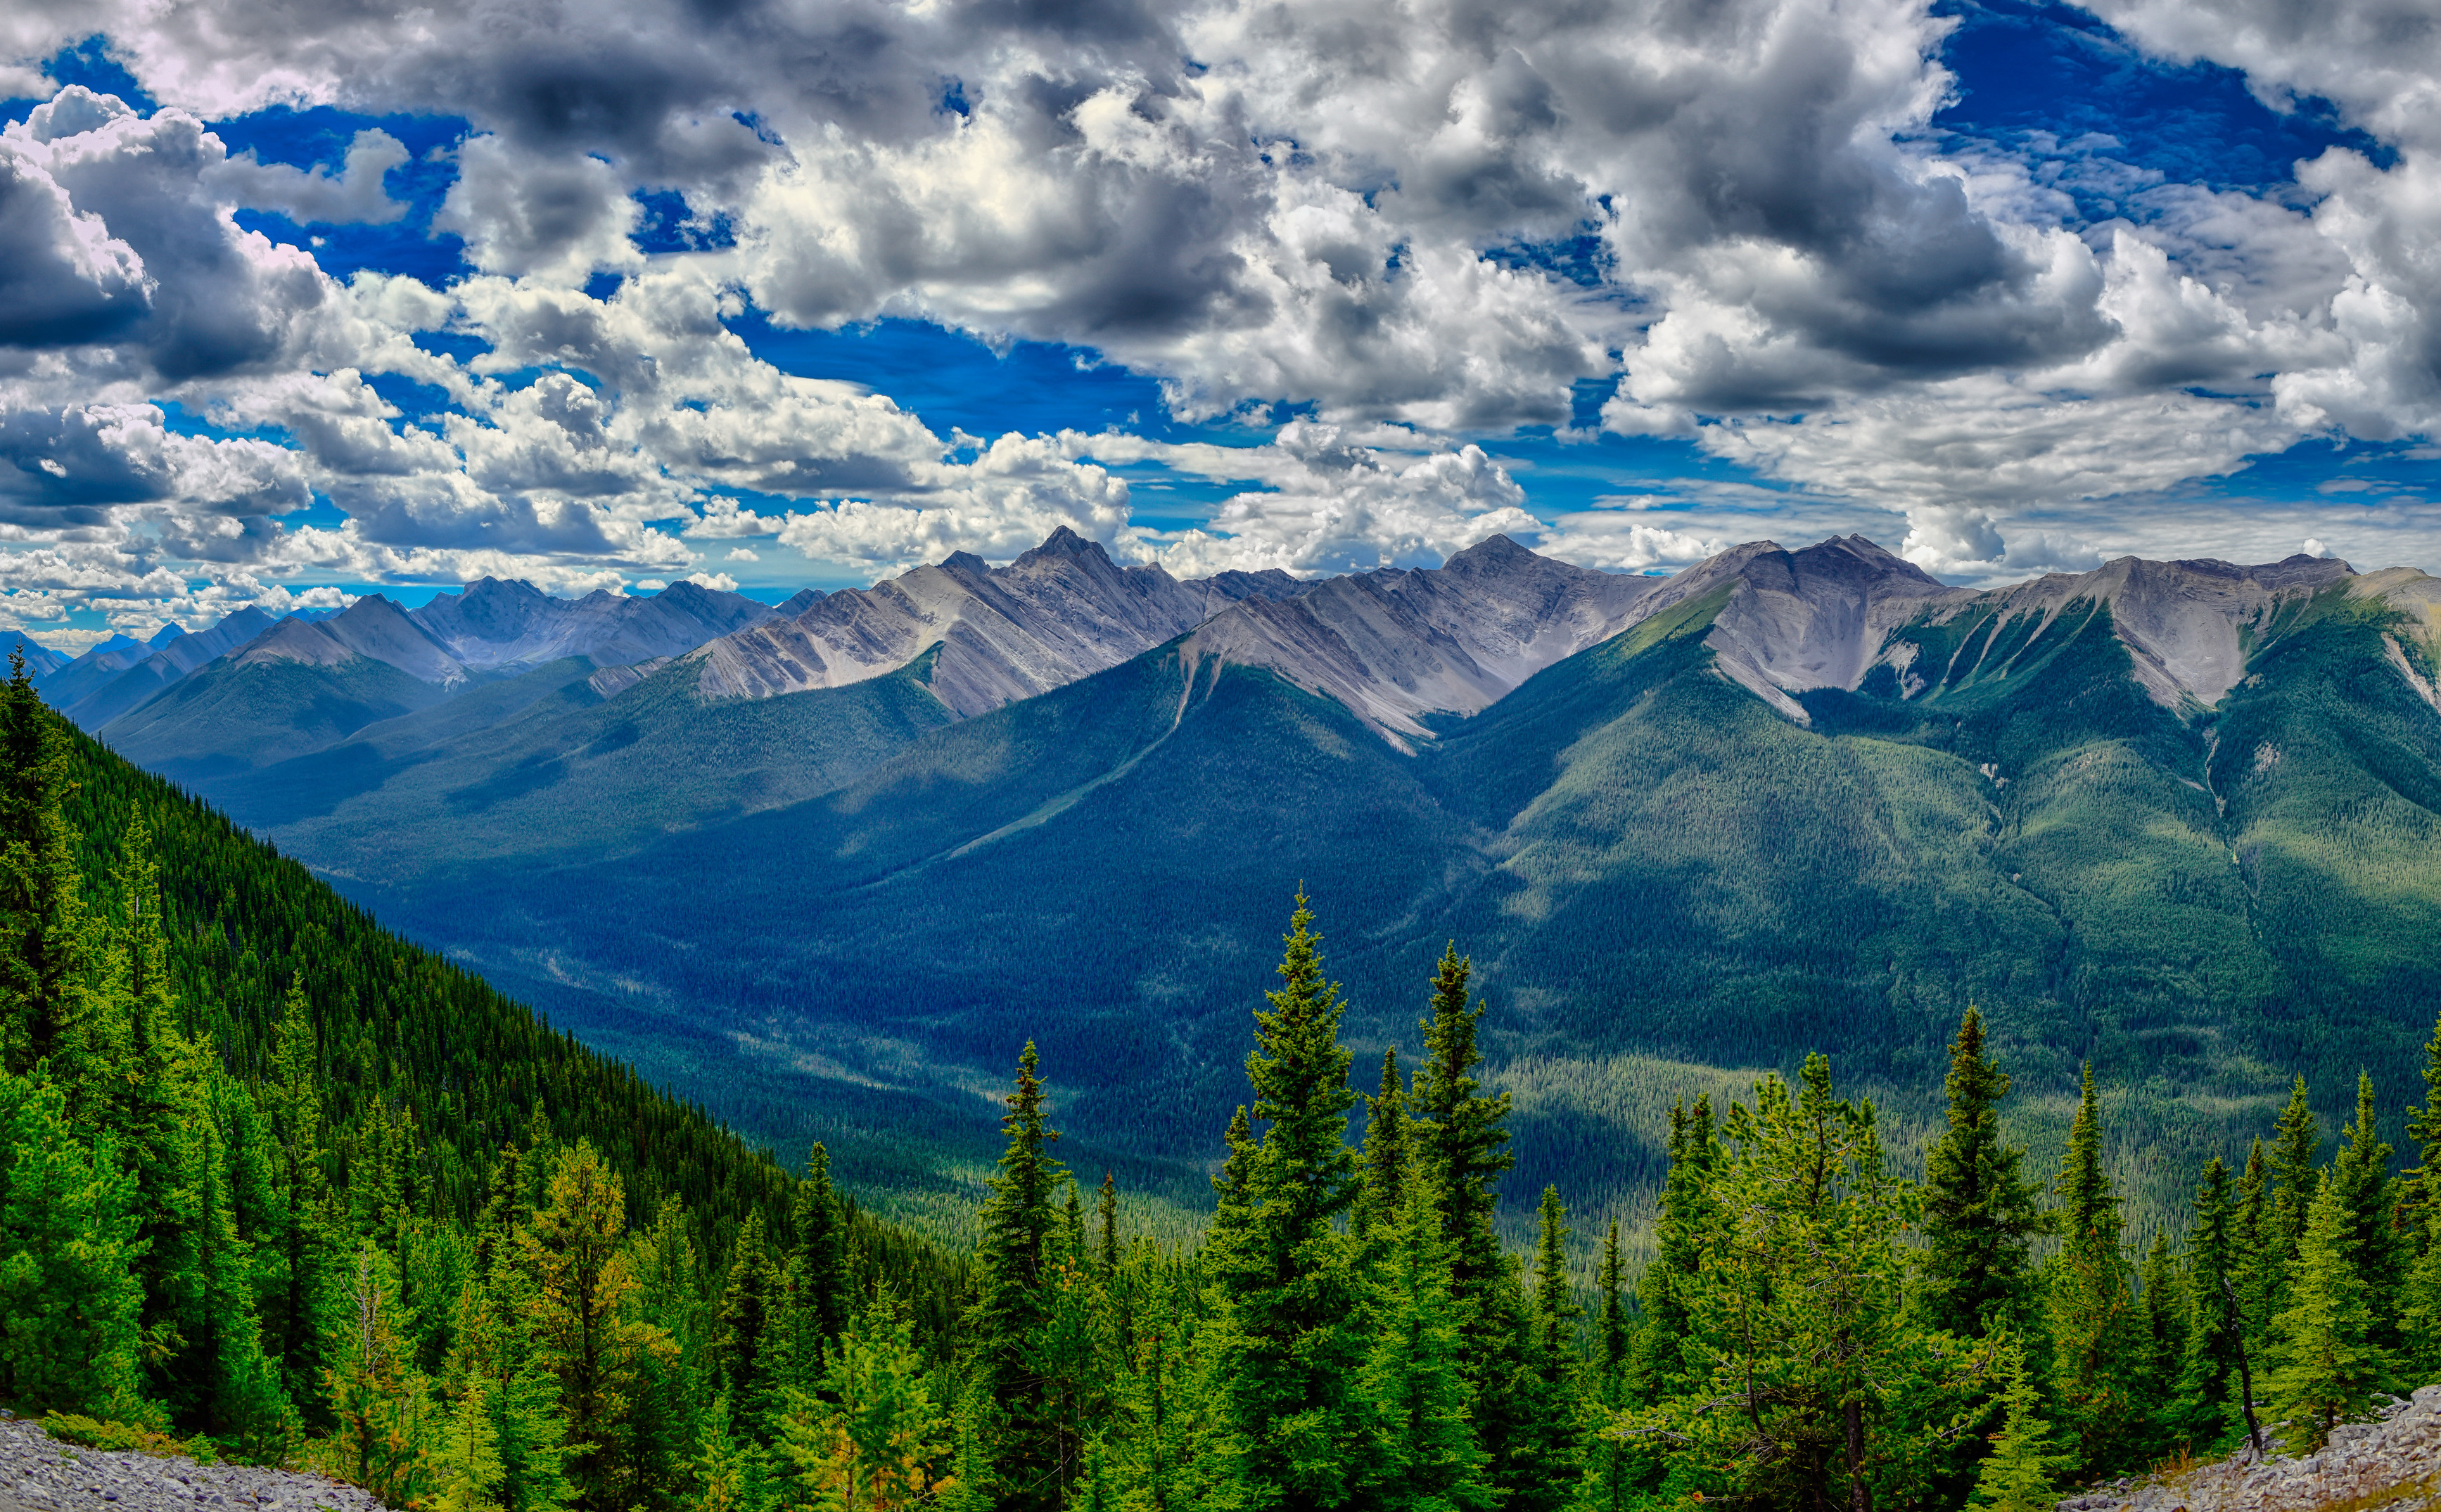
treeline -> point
(324, 1240)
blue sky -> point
(2011, 287)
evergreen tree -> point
(875, 1438)
(2296, 1141)
(586, 1286)
(1106, 1227)
(1020, 1236)
(746, 1340)
(2258, 1266)
(2162, 1341)
(1609, 1482)
(1544, 1461)
(1424, 1453)
(2424, 1128)
(817, 1268)
(2209, 1379)
(471, 1469)
(389, 1439)
(1688, 1213)
(1818, 1388)
(2019, 1473)
(71, 1302)
(2375, 1240)
(1285, 1349)
(2324, 1367)
(45, 999)
(1381, 1202)
(1981, 1214)
(2094, 1326)
(301, 1247)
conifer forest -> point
(276, 1186)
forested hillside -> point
(255, 1238)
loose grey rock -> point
(2394, 1460)
(40, 1474)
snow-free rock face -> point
(492, 623)
(178, 656)
(2186, 624)
(1395, 645)
(373, 628)
(2393, 1462)
(1062, 611)
(39, 1474)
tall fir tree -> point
(46, 1009)
(1105, 1228)
(818, 1269)
(2094, 1324)
(1018, 1245)
(1386, 1138)
(2162, 1344)
(2324, 1364)
(1981, 1214)
(1688, 1212)
(1286, 1348)
(2374, 1241)
(2209, 1379)
(1612, 1473)
(2021, 1472)
(2295, 1174)
(1422, 1455)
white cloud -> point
(353, 194)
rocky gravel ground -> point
(2392, 1464)
(40, 1474)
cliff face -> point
(2394, 1462)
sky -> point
(304, 301)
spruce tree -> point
(1981, 1214)
(748, 1347)
(1286, 1347)
(1106, 1225)
(2257, 1265)
(817, 1268)
(1021, 1233)
(2424, 1128)
(1610, 1475)
(70, 1303)
(2296, 1140)
(1688, 1213)
(2209, 1381)
(2325, 1366)
(2093, 1321)
(2371, 1197)
(2021, 1472)
(1424, 1452)
(45, 999)
(2162, 1344)
(1379, 1205)
(1543, 1455)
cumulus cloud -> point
(1418, 223)
(355, 193)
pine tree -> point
(1544, 1461)
(1286, 1347)
(471, 1470)
(2257, 1265)
(2424, 1128)
(2093, 1321)
(585, 1289)
(389, 1437)
(745, 1332)
(1818, 1388)
(2325, 1368)
(302, 1247)
(2020, 1474)
(875, 1438)
(1019, 1235)
(1981, 1214)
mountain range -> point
(2175, 817)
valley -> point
(819, 871)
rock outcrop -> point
(2392, 1462)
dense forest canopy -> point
(279, 1186)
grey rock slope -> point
(178, 658)
(39, 1474)
(1062, 611)
(373, 629)
(492, 623)
(2393, 1462)
(1396, 646)
(85, 674)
